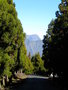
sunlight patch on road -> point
(34, 76)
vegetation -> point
(13, 54)
(38, 64)
(55, 46)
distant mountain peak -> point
(33, 44)
(33, 37)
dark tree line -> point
(55, 48)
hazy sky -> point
(35, 15)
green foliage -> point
(55, 46)
(6, 64)
(38, 64)
(11, 38)
(25, 62)
(47, 47)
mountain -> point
(33, 44)
(33, 37)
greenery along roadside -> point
(13, 54)
(55, 46)
(38, 64)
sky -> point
(35, 15)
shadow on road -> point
(36, 84)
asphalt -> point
(36, 83)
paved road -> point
(35, 83)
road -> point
(35, 83)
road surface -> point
(36, 83)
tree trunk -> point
(21, 70)
(3, 81)
(0, 85)
(10, 79)
(6, 80)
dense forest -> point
(55, 48)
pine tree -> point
(48, 48)
(25, 62)
(61, 37)
(56, 41)
(11, 38)
(29, 56)
(38, 64)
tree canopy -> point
(12, 48)
(55, 46)
(38, 64)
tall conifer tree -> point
(12, 47)
(57, 41)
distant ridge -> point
(33, 44)
(33, 37)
